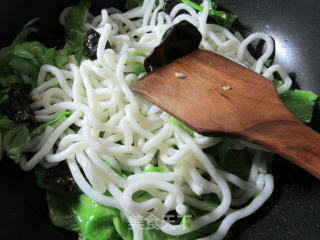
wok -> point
(293, 211)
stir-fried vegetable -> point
(20, 64)
(69, 208)
(73, 28)
(220, 17)
(300, 103)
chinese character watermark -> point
(154, 222)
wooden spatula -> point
(215, 96)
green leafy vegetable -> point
(6, 82)
(43, 126)
(6, 55)
(40, 173)
(21, 62)
(277, 83)
(153, 234)
(4, 96)
(40, 55)
(187, 218)
(300, 103)
(237, 162)
(220, 17)
(21, 140)
(86, 217)
(26, 58)
(136, 67)
(186, 221)
(23, 66)
(268, 62)
(95, 221)
(60, 211)
(78, 213)
(1, 148)
(73, 28)
(141, 54)
(153, 168)
(180, 125)
(61, 56)
(92, 221)
(19, 143)
(211, 199)
(7, 124)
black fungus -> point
(179, 40)
(60, 178)
(18, 108)
(91, 40)
(170, 4)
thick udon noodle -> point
(108, 112)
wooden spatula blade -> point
(215, 96)
(211, 94)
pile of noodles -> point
(131, 134)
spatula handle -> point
(291, 139)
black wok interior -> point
(293, 212)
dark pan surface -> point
(293, 212)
